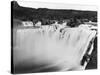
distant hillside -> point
(26, 13)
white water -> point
(56, 49)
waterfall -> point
(51, 47)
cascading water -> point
(50, 49)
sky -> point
(36, 4)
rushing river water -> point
(48, 49)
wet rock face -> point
(45, 49)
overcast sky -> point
(35, 4)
